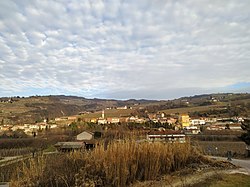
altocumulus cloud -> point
(124, 49)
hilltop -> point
(14, 110)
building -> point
(216, 127)
(197, 122)
(192, 130)
(85, 136)
(85, 141)
(113, 120)
(69, 146)
(235, 126)
(102, 121)
(184, 120)
(166, 136)
(122, 108)
(72, 118)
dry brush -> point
(118, 164)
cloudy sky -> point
(154, 49)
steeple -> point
(103, 114)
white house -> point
(192, 130)
(85, 136)
(166, 136)
(198, 121)
(102, 121)
(53, 126)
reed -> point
(127, 161)
(118, 164)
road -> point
(244, 164)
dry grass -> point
(15, 151)
(118, 164)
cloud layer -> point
(124, 49)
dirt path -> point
(187, 180)
(244, 164)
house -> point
(102, 121)
(34, 127)
(198, 122)
(53, 126)
(122, 108)
(166, 136)
(85, 141)
(113, 120)
(192, 130)
(72, 118)
(61, 119)
(235, 126)
(140, 120)
(184, 120)
(216, 127)
(85, 135)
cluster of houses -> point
(179, 122)
(28, 129)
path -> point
(244, 164)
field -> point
(220, 148)
(185, 110)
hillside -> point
(36, 108)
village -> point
(177, 122)
(156, 126)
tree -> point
(245, 125)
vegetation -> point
(246, 126)
(118, 164)
(226, 180)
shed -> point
(69, 146)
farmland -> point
(220, 148)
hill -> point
(16, 110)
(36, 108)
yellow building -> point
(184, 120)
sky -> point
(121, 49)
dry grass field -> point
(118, 164)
